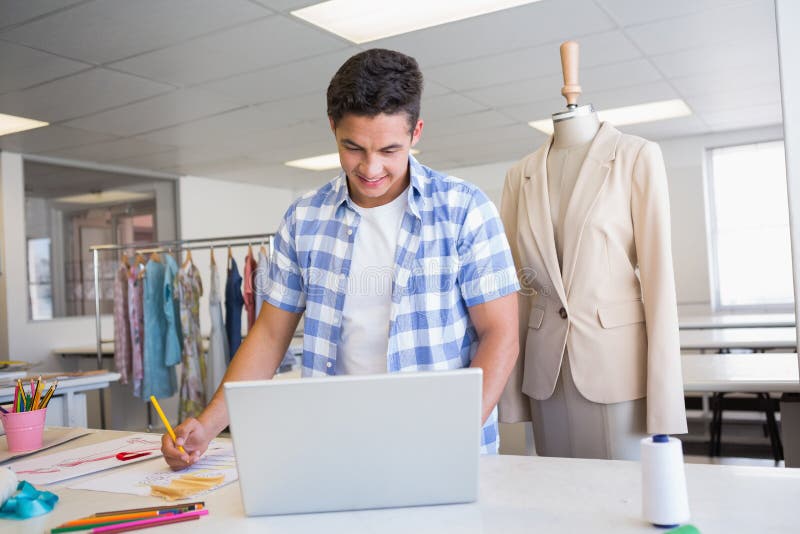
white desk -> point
(70, 394)
(517, 494)
(756, 373)
(740, 338)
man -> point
(396, 267)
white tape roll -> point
(8, 484)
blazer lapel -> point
(537, 204)
(591, 179)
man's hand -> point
(193, 437)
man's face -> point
(374, 155)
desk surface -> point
(771, 372)
(739, 338)
(517, 494)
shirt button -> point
(350, 231)
(563, 313)
(329, 365)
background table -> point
(68, 405)
(722, 339)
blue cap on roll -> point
(661, 438)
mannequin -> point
(588, 366)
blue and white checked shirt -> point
(452, 253)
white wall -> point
(214, 208)
(684, 159)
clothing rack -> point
(176, 245)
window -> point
(749, 222)
(40, 288)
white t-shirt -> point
(368, 300)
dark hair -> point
(373, 82)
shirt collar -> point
(418, 179)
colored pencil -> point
(196, 504)
(119, 517)
(3, 410)
(49, 395)
(37, 394)
(58, 530)
(166, 423)
(146, 523)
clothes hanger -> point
(155, 256)
(249, 250)
(263, 249)
(213, 261)
(230, 257)
(125, 261)
(188, 261)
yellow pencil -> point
(47, 396)
(164, 420)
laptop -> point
(356, 442)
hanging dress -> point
(122, 330)
(218, 356)
(249, 289)
(162, 346)
(188, 288)
(136, 317)
(233, 308)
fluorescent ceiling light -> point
(654, 111)
(322, 163)
(361, 21)
(11, 124)
(105, 197)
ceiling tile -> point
(500, 32)
(22, 67)
(629, 12)
(245, 48)
(600, 49)
(111, 151)
(748, 117)
(711, 82)
(286, 5)
(50, 138)
(80, 94)
(733, 98)
(100, 32)
(449, 105)
(667, 129)
(469, 122)
(14, 12)
(754, 53)
(491, 137)
(172, 108)
(592, 80)
(729, 24)
(310, 75)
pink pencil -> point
(154, 522)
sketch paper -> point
(51, 468)
(218, 459)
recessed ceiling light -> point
(322, 163)
(11, 124)
(361, 21)
(105, 197)
(651, 112)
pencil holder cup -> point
(24, 430)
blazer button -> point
(563, 313)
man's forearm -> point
(257, 359)
(496, 355)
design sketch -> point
(89, 459)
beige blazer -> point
(614, 306)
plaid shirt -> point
(452, 253)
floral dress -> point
(188, 290)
